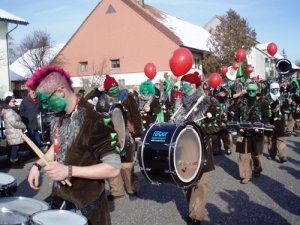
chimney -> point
(141, 2)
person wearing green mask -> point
(280, 106)
(84, 150)
(107, 94)
(237, 90)
(250, 142)
(148, 103)
(207, 115)
(167, 100)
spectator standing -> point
(12, 122)
(29, 110)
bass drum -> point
(172, 154)
(118, 116)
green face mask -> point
(186, 87)
(252, 89)
(52, 102)
(114, 91)
(252, 93)
(274, 91)
(242, 79)
(167, 85)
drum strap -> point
(86, 210)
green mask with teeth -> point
(186, 87)
(114, 91)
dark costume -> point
(224, 133)
(250, 143)
(86, 137)
(197, 196)
(150, 99)
(134, 121)
(276, 141)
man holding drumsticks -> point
(85, 146)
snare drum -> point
(58, 217)
(24, 205)
(172, 154)
(118, 116)
(8, 185)
(13, 217)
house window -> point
(196, 63)
(121, 82)
(115, 63)
(84, 66)
(267, 63)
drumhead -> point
(187, 155)
(24, 205)
(120, 125)
(12, 217)
(6, 180)
(58, 217)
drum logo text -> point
(159, 136)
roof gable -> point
(10, 18)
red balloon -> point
(235, 65)
(272, 49)
(250, 69)
(224, 70)
(181, 61)
(215, 80)
(241, 54)
(150, 70)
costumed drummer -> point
(250, 142)
(280, 106)
(167, 101)
(148, 103)
(108, 94)
(85, 146)
(210, 109)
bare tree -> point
(94, 75)
(12, 51)
(37, 50)
(284, 54)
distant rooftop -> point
(10, 18)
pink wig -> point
(36, 79)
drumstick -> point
(194, 106)
(40, 154)
(176, 112)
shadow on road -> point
(242, 211)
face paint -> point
(114, 91)
(186, 87)
(52, 102)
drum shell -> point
(13, 217)
(10, 187)
(157, 159)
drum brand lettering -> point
(159, 136)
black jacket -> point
(29, 112)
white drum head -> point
(58, 217)
(5, 179)
(119, 126)
(8, 216)
(24, 205)
(187, 157)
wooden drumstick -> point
(40, 154)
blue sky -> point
(275, 21)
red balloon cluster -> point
(235, 65)
(250, 69)
(272, 49)
(150, 70)
(241, 54)
(224, 70)
(181, 61)
(215, 80)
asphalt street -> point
(272, 198)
